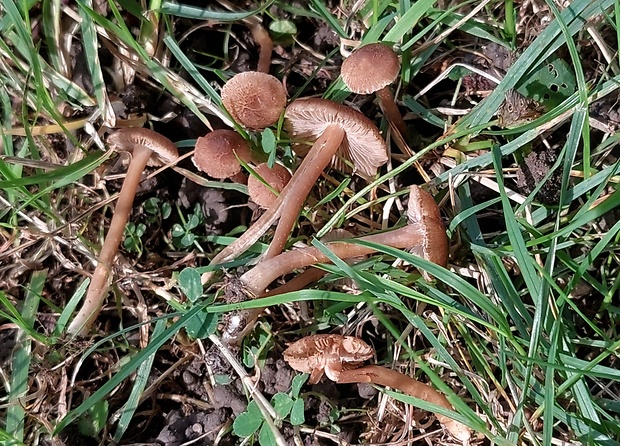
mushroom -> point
(148, 148)
(218, 153)
(424, 235)
(331, 126)
(255, 100)
(262, 38)
(327, 353)
(339, 356)
(370, 69)
(277, 177)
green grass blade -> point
(142, 378)
(16, 414)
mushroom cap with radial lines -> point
(255, 100)
(327, 353)
(423, 212)
(215, 153)
(370, 68)
(130, 138)
(306, 119)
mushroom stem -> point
(275, 211)
(100, 280)
(259, 277)
(297, 283)
(288, 203)
(262, 38)
(321, 153)
(391, 111)
(384, 376)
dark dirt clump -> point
(532, 171)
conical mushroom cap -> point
(306, 119)
(424, 213)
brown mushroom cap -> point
(215, 153)
(329, 353)
(306, 119)
(277, 177)
(131, 139)
(424, 213)
(370, 68)
(255, 100)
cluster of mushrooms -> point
(257, 100)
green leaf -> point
(177, 230)
(15, 417)
(202, 325)
(283, 27)
(142, 378)
(283, 31)
(266, 437)
(282, 404)
(189, 282)
(298, 412)
(247, 423)
(62, 175)
(187, 240)
(298, 382)
(550, 84)
(193, 222)
(268, 141)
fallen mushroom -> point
(424, 235)
(255, 100)
(277, 177)
(148, 148)
(370, 69)
(339, 356)
(218, 153)
(331, 126)
(327, 354)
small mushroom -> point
(327, 353)
(255, 100)
(262, 38)
(277, 177)
(331, 126)
(339, 356)
(424, 235)
(216, 153)
(148, 148)
(370, 69)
